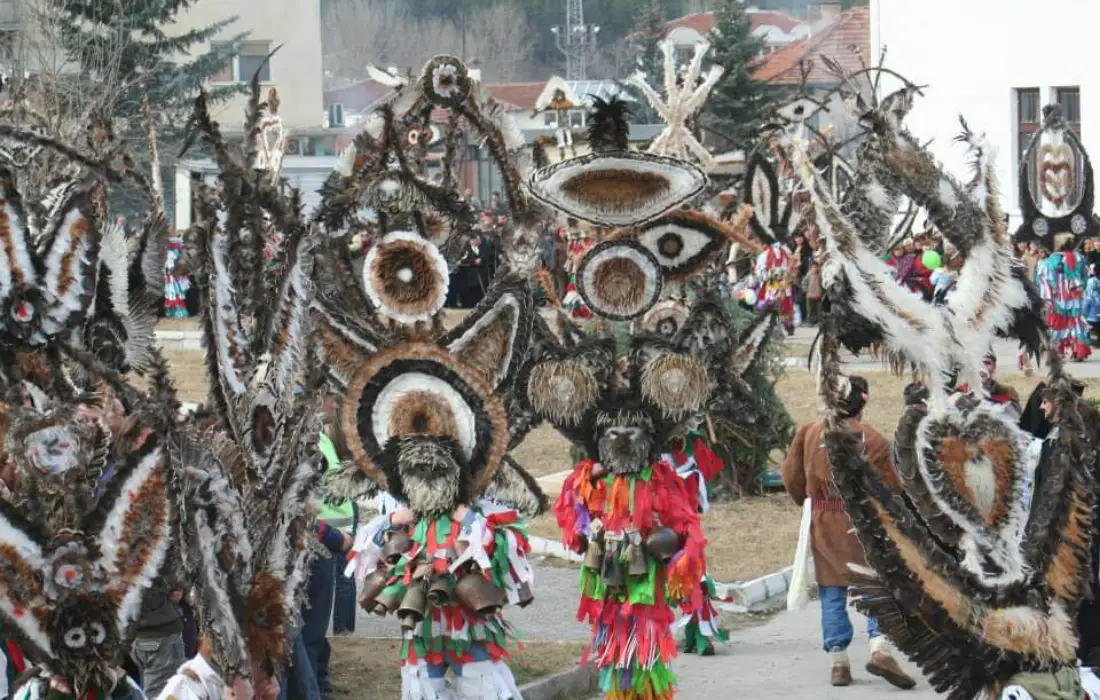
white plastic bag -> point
(802, 575)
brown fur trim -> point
(616, 188)
(265, 621)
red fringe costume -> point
(697, 466)
(632, 640)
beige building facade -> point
(292, 26)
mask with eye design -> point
(71, 596)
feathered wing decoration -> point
(245, 496)
(967, 580)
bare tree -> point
(53, 95)
(383, 32)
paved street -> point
(779, 659)
(784, 659)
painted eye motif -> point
(98, 633)
(683, 241)
(75, 638)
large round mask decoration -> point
(624, 189)
(406, 277)
(682, 241)
(619, 279)
(676, 384)
(446, 81)
(421, 390)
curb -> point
(179, 340)
(744, 595)
(549, 548)
(578, 682)
(737, 597)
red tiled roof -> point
(851, 29)
(703, 22)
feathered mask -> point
(967, 580)
(245, 483)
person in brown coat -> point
(806, 474)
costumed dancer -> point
(973, 586)
(87, 527)
(244, 484)
(623, 505)
(773, 269)
(176, 283)
(1062, 277)
(1056, 203)
(426, 414)
(776, 216)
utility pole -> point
(576, 40)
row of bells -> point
(607, 555)
(473, 591)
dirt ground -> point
(366, 669)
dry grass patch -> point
(746, 538)
(178, 324)
(366, 669)
(544, 452)
(751, 537)
(189, 373)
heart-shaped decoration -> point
(1057, 176)
(968, 468)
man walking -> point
(807, 474)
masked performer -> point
(1056, 201)
(426, 413)
(87, 528)
(244, 487)
(975, 590)
(624, 506)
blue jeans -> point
(836, 628)
(298, 681)
(316, 615)
(344, 604)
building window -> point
(251, 57)
(1070, 100)
(1028, 116)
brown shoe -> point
(841, 674)
(886, 667)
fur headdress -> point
(68, 277)
(964, 581)
(1057, 190)
(88, 523)
(245, 483)
(414, 392)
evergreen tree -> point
(123, 51)
(738, 104)
(126, 50)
